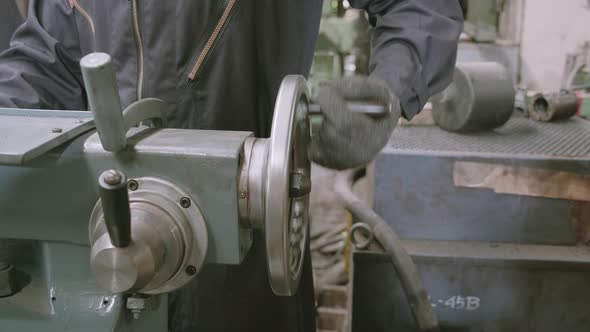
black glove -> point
(350, 140)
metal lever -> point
(103, 100)
(371, 109)
(115, 205)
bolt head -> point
(191, 270)
(185, 202)
(300, 185)
(112, 177)
(132, 185)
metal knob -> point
(115, 204)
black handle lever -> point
(115, 205)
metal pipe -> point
(410, 279)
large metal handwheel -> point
(287, 186)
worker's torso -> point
(218, 63)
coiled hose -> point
(410, 279)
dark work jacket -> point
(10, 19)
(219, 64)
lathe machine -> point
(100, 218)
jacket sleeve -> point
(41, 67)
(414, 46)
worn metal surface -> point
(189, 156)
(480, 97)
(415, 191)
(495, 288)
(519, 140)
(61, 295)
(420, 201)
(553, 107)
(185, 156)
(44, 131)
(491, 262)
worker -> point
(219, 64)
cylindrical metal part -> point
(252, 182)
(103, 100)
(153, 257)
(115, 203)
(553, 107)
(370, 109)
(316, 118)
(481, 97)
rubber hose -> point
(411, 282)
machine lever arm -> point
(115, 204)
(103, 100)
(371, 109)
(374, 110)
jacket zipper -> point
(76, 5)
(139, 46)
(212, 39)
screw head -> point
(191, 270)
(185, 202)
(56, 130)
(132, 185)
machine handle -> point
(103, 100)
(371, 109)
(374, 110)
(115, 205)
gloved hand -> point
(350, 140)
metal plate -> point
(286, 219)
(28, 134)
(520, 139)
(477, 287)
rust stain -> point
(581, 222)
